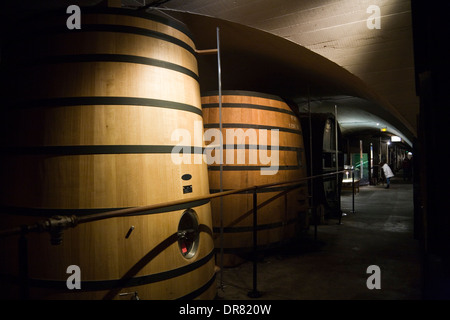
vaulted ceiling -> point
(321, 51)
(340, 30)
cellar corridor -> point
(334, 266)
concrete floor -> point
(334, 267)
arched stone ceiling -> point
(256, 60)
(337, 30)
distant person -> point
(387, 173)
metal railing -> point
(57, 224)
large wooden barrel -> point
(326, 190)
(249, 118)
(93, 118)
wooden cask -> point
(91, 121)
(248, 120)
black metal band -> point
(251, 168)
(118, 101)
(101, 149)
(111, 58)
(251, 126)
(194, 294)
(140, 14)
(127, 29)
(50, 212)
(247, 106)
(256, 147)
(243, 93)
(130, 149)
(36, 20)
(94, 285)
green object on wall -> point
(356, 162)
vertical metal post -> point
(219, 76)
(387, 152)
(361, 160)
(336, 139)
(311, 168)
(255, 293)
(379, 151)
(338, 195)
(353, 188)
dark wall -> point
(431, 33)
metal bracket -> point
(56, 225)
(183, 234)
